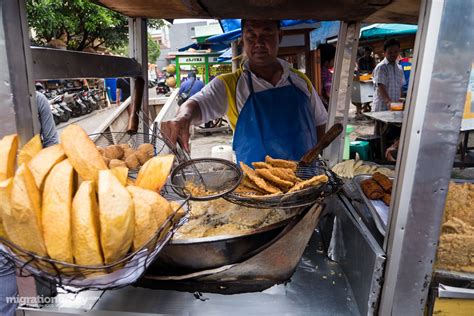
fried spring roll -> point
(371, 189)
(383, 181)
(387, 197)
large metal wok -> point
(188, 255)
(272, 263)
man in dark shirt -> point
(366, 63)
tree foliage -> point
(79, 23)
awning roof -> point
(394, 11)
(375, 31)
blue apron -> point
(277, 122)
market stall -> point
(361, 259)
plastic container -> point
(349, 130)
(396, 106)
(360, 147)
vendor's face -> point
(261, 39)
(392, 53)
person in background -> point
(191, 86)
(49, 137)
(328, 52)
(366, 62)
(388, 77)
(272, 108)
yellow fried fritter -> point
(311, 182)
(261, 183)
(280, 163)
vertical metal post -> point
(138, 49)
(429, 137)
(18, 112)
(340, 99)
(235, 53)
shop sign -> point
(191, 60)
(213, 59)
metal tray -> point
(377, 208)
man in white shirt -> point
(388, 77)
(272, 108)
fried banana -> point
(285, 174)
(261, 165)
(280, 183)
(311, 182)
(280, 163)
(249, 184)
(261, 183)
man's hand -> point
(177, 131)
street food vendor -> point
(388, 77)
(272, 108)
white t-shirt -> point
(212, 99)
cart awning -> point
(375, 31)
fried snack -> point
(106, 160)
(383, 181)
(23, 224)
(246, 182)
(278, 182)
(261, 183)
(29, 150)
(8, 148)
(246, 191)
(387, 197)
(56, 211)
(308, 183)
(372, 189)
(285, 174)
(121, 173)
(117, 163)
(85, 226)
(116, 217)
(101, 150)
(150, 214)
(142, 156)
(82, 153)
(44, 161)
(127, 152)
(280, 163)
(132, 161)
(154, 172)
(113, 152)
(124, 146)
(261, 165)
(147, 149)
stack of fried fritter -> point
(273, 177)
(378, 187)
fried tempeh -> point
(285, 174)
(261, 165)
(371, 189)
(311, 182)
(280, 183)
(383, 181)
(261, 183)
(280, 163)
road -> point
(92, 121)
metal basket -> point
(76, 278)
(299, 198)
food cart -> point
(369, 272)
